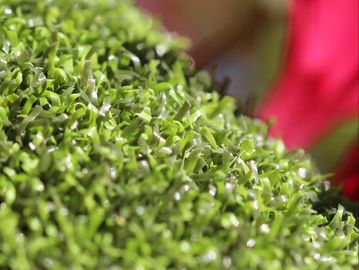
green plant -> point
(115, 153)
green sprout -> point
(116, 153)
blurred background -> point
(241, 40)
(295, 61)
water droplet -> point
(35, 224)
(326, 185)
(342, 236)
(6, 46)
(259, 140)
(63, 211)
(30, 23)
(7, 11)
(10, 195)
(229, 186)
(255, 205)
(3, 63)
(140, 210)
(33, 22)
(234, 221)
(104, 109)
(41, 79)
(144, 165)
(177, 196)
(185, 247)
(92, 82)
(315, 244)
(166, 150)
(227, 261)
(251, 243)
(140, 46)
(264, 228)
(49, 207)
(113, 172)
(20, 237)
(212, 190)
(39, 187)
(327, 259)
(302, 173)
(276, 166)
(68, 162)
(322, 235)
(74, 125)
(298, 258)
(160, 49)
(209, 256)
(186, 187)
(238, 198)
(306, 238)
(32, 146)
(254, 168)
(167, 233)
(197, 141)
(48, 262)
(135, 59)
(252, 195)
(111, 57)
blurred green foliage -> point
(115, 153)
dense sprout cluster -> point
(115, 153)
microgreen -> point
(115, 153)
